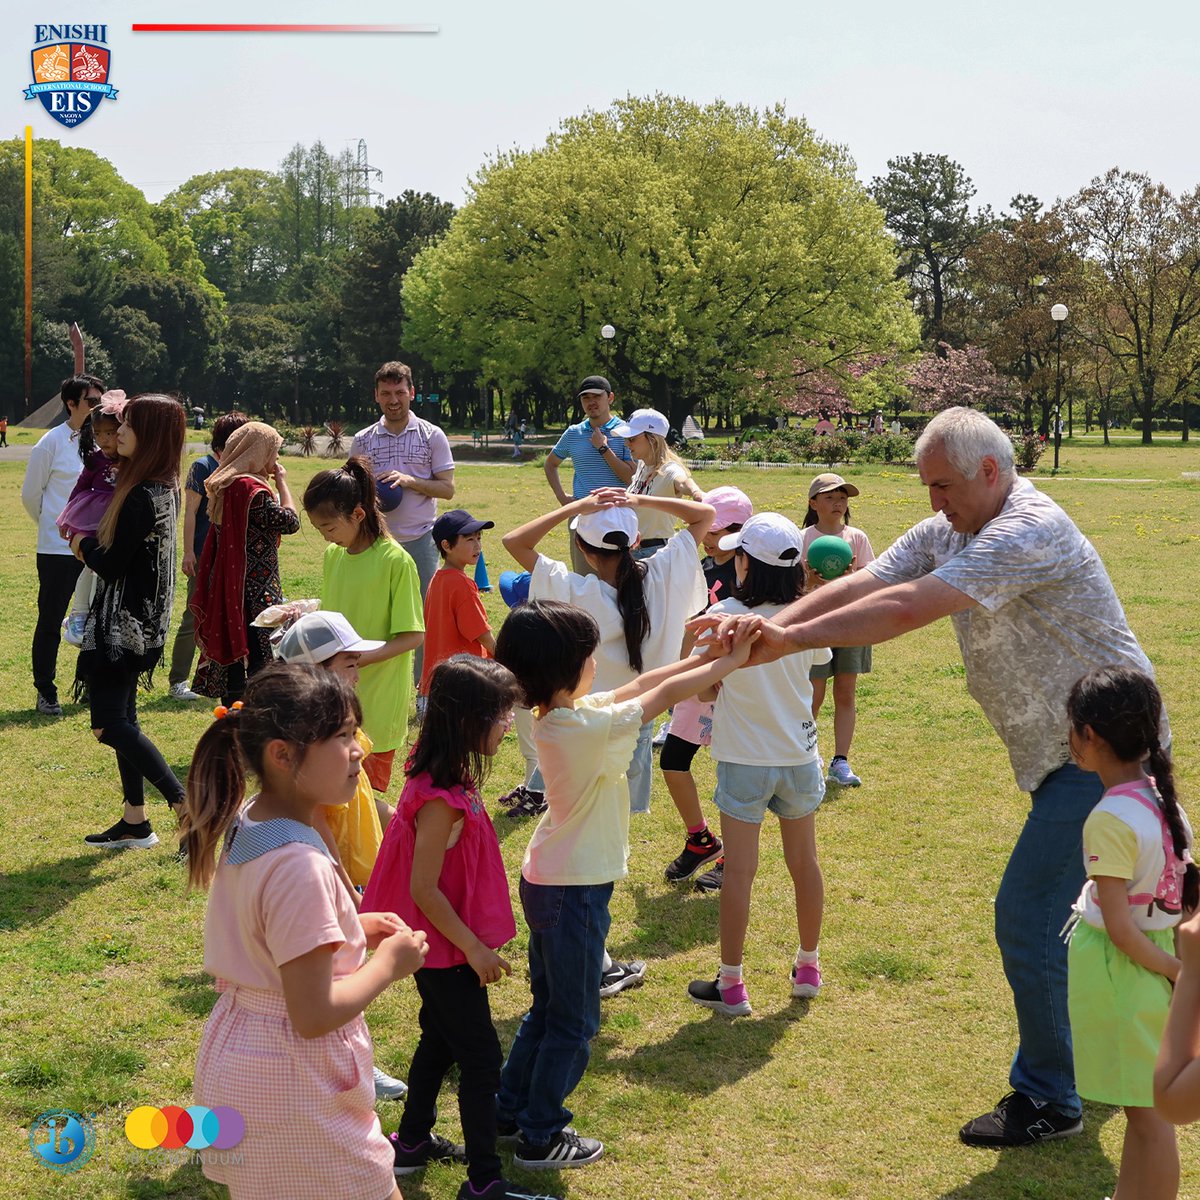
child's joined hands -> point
(377, 926)
(403, 952)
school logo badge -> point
(71, 65)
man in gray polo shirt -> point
(1033, 610)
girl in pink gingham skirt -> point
(286, 1045)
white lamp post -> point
(607, 332)
(1058, 314)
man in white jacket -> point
(54, 466)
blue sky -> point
(1034, 97)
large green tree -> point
(926, 199)
(1141, 246)
(723, 244)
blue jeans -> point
(638, 777)
(425, 555)
(567, 928)
(1043, 879)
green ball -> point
(829, 556)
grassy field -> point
(858, 1093)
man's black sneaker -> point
(48, 708)
(563, 1150)
(1019, 1120)
(498, 1189)
(711, 881)
(124, 836)
(695, 854)
(434, 1148)
(622, 975)
(521, 802)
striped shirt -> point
(420, 449)
(591, 471)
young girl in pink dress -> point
(91, 496)
(286, 1045)
(440, 866)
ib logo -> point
(195, 1128)
(62, 1139)
(70, 71)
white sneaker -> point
(181, 691)
(387, 1088)
(840, 774)
(660, 736)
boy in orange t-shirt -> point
(455, 622)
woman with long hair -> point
(238, 573)
(133, 556)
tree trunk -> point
(1147, 411)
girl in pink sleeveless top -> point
(440, 867)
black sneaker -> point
(48, 708)
(410, 1159)
(711, 881)
(521, 802)
(563, 1150)
(622, 975)
(498, 1189)
(1019, 1120)
(124, 836)
(696, 854)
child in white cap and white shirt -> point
(764, 742)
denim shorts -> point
(746, 792)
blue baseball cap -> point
(514, 587)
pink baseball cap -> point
(733, 506)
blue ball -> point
(390, 495)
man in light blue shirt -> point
(598, 458)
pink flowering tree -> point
(953, 377)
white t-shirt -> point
(763, 716)
(653, 522)
(675, 592)
(53, 468)
(583, 837)
(1046, 615)
(1124, 839)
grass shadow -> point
(729, 1051)
(193, 994)
(28, 897)
(670, 919)
(1071, 1169)
(187, 1180)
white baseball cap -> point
(608, 528)
(318, 636)
(769, 537)
(644, 420)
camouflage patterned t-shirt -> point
(1046, 613)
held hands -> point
(488, 965)
(770, 644)
(377, 926)
(402, 952)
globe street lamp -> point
(607, 332)
(1059, 314)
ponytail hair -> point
(631, 594)
(292, 702)
(1124, 707)
(343, 489)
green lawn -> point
(858, 1093)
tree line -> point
(738, 263)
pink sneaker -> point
(806, 980)
(732, 1001)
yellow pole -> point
(28, 269)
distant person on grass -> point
(1033, 610)
(599, 456)
(195, 531)
(51, 473)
